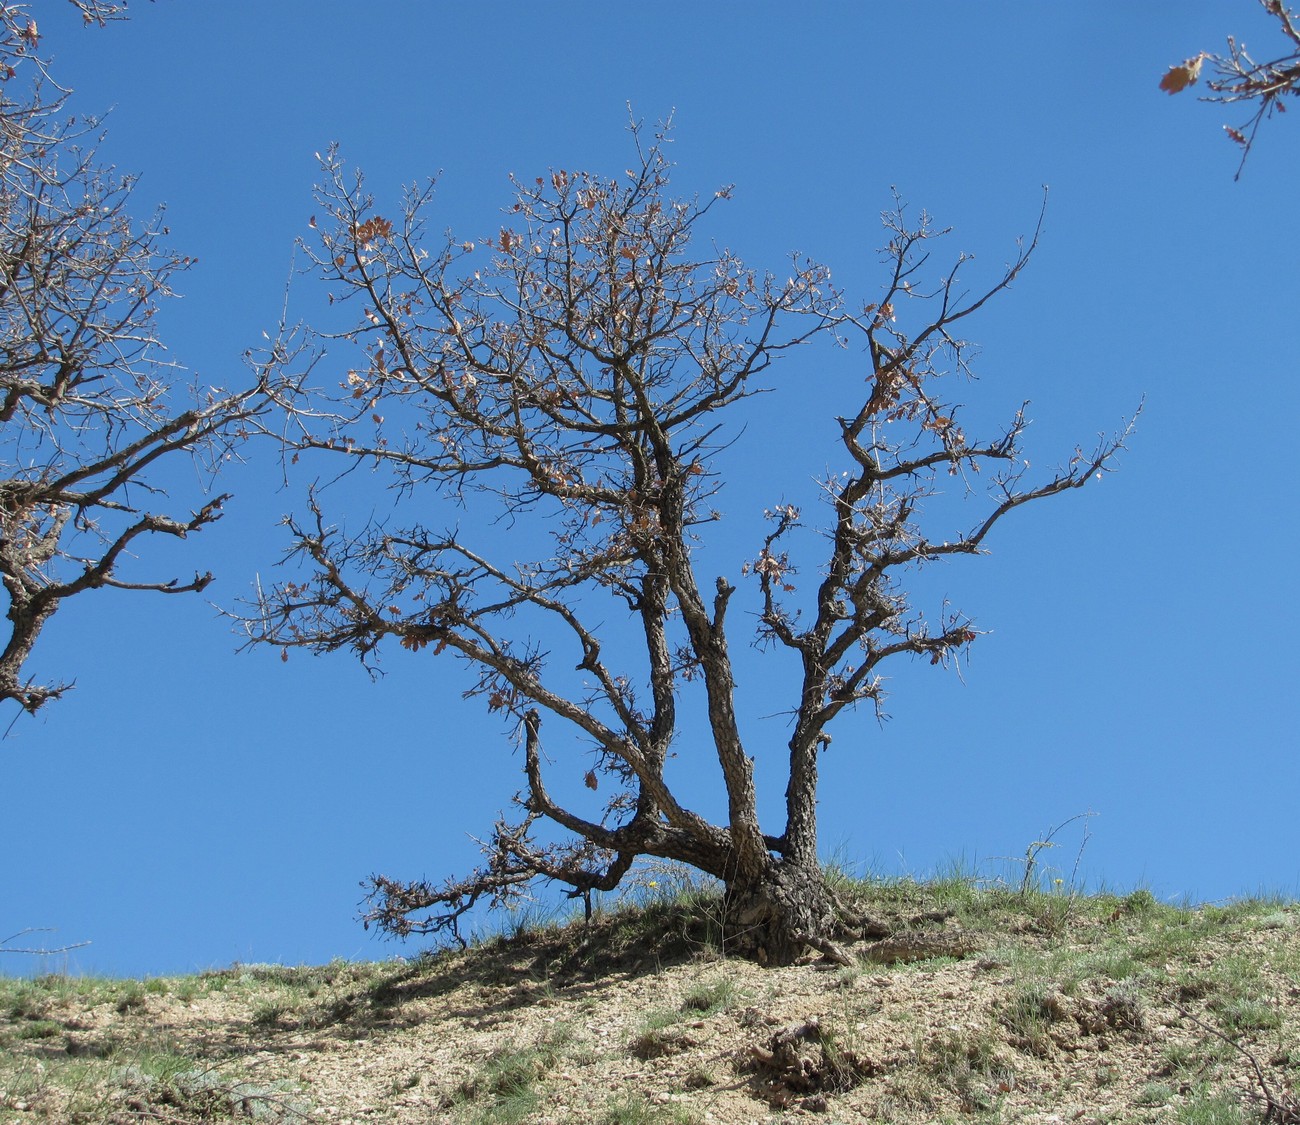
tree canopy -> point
(1236, 77)
(574, 379)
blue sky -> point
(187, 806)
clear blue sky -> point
(186, 806)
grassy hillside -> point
(967, 1004)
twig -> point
(1285, 1111)
(1031, 852)
(4, 945)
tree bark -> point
(776, 918)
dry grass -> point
(1058, 1009)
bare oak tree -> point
(88, 403)
(1236, 77)
(572, 379)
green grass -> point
(967, 1062)
(86, 1073)
(504, 1089)
(632, 1109)
(1028, 1016)
(711, 996)
(1209, 1106)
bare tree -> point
(572, 379)
(88, 403)
(1237, 77)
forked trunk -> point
(783, 914)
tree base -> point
(777, 919)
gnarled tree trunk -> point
(778, 917)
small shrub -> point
(159, 1090)
(847, 978)
(965, 1062)
(131, 999)
(28, 1003)
(1180, 1059)
(1028, 1017)
(1246, 1014)
(188, 989)
(700, 1078)
(632, 1109)
(1154, 1094)
(1141, 901)
(268, 1014)
(1122, 1007)
(656, 1042)
(40, 1029)
(628, 1109)
(507, 1079)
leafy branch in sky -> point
(1237, 77)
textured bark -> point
(776, 918)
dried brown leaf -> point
(1183, 75)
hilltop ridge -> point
(972, 1004)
